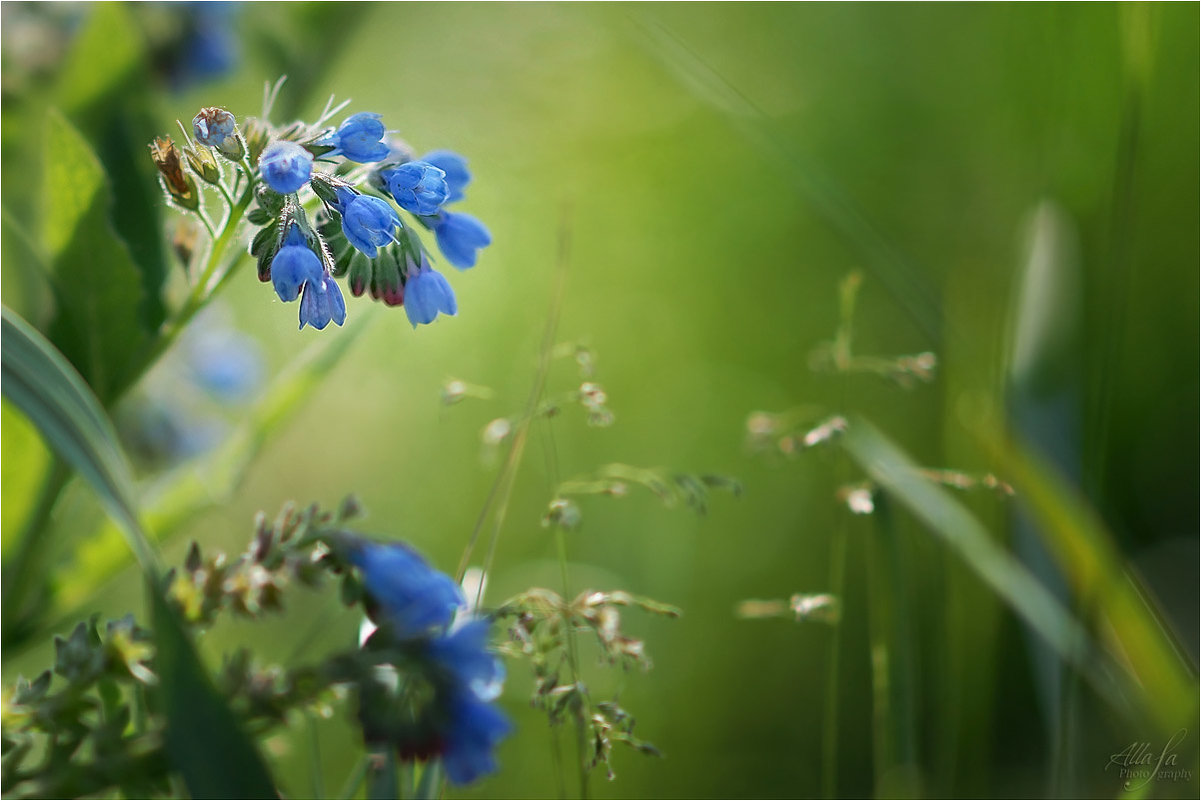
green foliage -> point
(96, 284)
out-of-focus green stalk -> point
(894, 699)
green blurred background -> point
(719, 169)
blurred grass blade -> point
(1096, 572)
(895, 691)
(195, 487)
(204, 741)
(47, 389)
(948, 519)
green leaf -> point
(39, 381)
(104, 89)
(98, 288)
(106, 53)
(204, 741)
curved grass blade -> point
(43, 385)
(948, 519)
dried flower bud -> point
(181, 188)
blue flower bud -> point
(321, 303)
(455, 167)
(459, 237)
(293, 266)
(417, 187)
(286, 166)
(217, 128)
(412, 597)
(359, 138)
(426, 294)
(368, 222)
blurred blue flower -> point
(473, 730)
(368, 222)
(322, 303)
(225, 364)
(286, 166)
(464, 653)
(211, 49)
(427, 294)
(459, 237)
(417, 187)
(474, 677)
(293, 266)
(455, 167)
(412, 597)
(359, 138)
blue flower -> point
(474, 729)
(418, 188)
(211, 50)
(455, 167)
(412, 597)
(459, 237)
(473, 726)
(359, 138)
(426, 294)
(322, 302)
(464, 653)
(286, 166)
(368, 222)
(293, 266)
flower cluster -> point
(353, 182)
(437, 701)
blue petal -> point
(455, 167)
(286, 166)
(412, 595)
(475, 729)
(292, 267)
(459, 237)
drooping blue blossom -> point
(412, 597)
(359, 138)
(459, 237)
(464, 653)
(473, 731)
(427, 293)
(473, 677)
(368, 222)
(293, 266)
(418, 188)
(321, 303)
(286, 166)
(455, 167)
